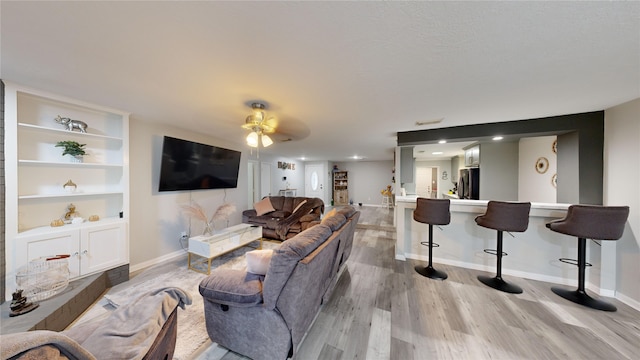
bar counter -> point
(532, 254)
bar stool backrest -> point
(593, 222)
(506, 216)
(432, 211)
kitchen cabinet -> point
(472, 156)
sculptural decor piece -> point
(72, 124)
(19, 304)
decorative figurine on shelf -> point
(71, 213)
(72, 124)
(70, 186)
(19, 304)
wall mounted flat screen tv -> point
(188, 165)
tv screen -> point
(188, 165)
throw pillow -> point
(299, 206)
(263, 207)
(331, 213)
(258, 261)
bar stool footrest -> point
(572, 262)
(426, 243)
(494, 252)
(582, 298)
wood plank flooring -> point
(382, 309)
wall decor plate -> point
(554, 146)
(554, 180)
(542, 165)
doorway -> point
(427, 181)
(314, 181)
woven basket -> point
(42, 278)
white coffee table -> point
(206, 247)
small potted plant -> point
(73, 148)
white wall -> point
(532, 185)
(621, 187)
(367, 179)
(156, 218)
(444, 165)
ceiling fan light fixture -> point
(266, 140)
(252, 139)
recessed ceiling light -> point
(442, 142)
(496, 138)
(436, 153)
(303, 158)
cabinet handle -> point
(85, 252)
(76, 254)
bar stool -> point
(503, 216)
(589, 222)
(432, 212)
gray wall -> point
(499, 171)
(568, 169)
(367, 179)
(622, 171)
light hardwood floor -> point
(382, 309)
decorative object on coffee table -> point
(19, 304)
(72, 124)
(196, 211)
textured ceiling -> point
(342, 77)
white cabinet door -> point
(44, 245)
(102, 247)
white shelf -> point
(66, 132)
(67, 164)
(45, 230)
(67, 195)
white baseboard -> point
(550, 279)
(629, 301)
(157, 260)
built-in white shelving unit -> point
(36, 173)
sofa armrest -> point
(231, 287)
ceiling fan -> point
(260, 125)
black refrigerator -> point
(469, 184)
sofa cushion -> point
(347, 211)
(263, 206)
(334, 222)
(280, 214)
(232, 287)
(285, 259)
(258, 261)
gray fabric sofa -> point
(266, 317)
(146, 328)
(283, 223)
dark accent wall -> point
(589, 128)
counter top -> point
(483, 203)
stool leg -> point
(497, 282)
(580, 295)
(429, 271)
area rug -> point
(192, 333)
